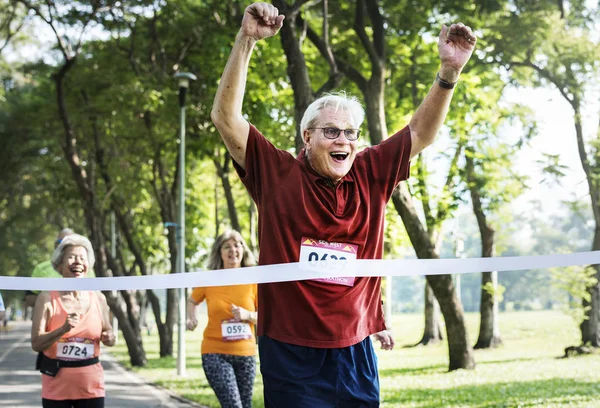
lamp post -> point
(183, 79)
(113, 253)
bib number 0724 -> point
(74, 350)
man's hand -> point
(455, 45)
(386, 339)
(261, 20)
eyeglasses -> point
(333, 133)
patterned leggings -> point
(231, 378)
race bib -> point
(74, 349)
(232, 330)
(323, 256)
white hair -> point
(338, 100)
(73, 240)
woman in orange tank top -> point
(67, 330)
(228, 346)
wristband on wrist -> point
(443, 83)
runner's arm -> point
(107, 337)
(455, 44)
(191, 321)
(40, 339)
(261, 20)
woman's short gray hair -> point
(215, 261)
(337, 100)
(73, 240)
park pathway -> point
(20, 384)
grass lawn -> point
(524, 372)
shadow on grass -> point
(171, 363)
(498, 395)
(441, 368)
(511, 360)
(434, 369)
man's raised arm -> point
(261, 20)
(455, 45)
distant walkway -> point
(20, 384)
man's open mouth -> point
(338, 156)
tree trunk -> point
(217, 218)
(223, 172)
(489, 329)
(432, 332)
(296, 66)
(459, 347)
(94, 219)
(253, 233)
(165, 194)
(133, 338)
(590, 327)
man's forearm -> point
(230, 93)
(430, 116)
(227, 108)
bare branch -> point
(50, 22)
(378, 28)
(183, 51)
(424, 193)
(546, 75)
(442, 210)
(339, 64)
(9, 33)
(295, 8)
(359, 27)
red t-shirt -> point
(293, 202)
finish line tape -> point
(296, 271)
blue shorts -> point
(307, 377)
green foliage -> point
(541, 235)
(37, 196)
(553, 170)
(575, 280)
(497, 292)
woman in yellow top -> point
(229, 346)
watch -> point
(443, 83)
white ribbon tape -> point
(296, 271)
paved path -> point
(20, 384)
